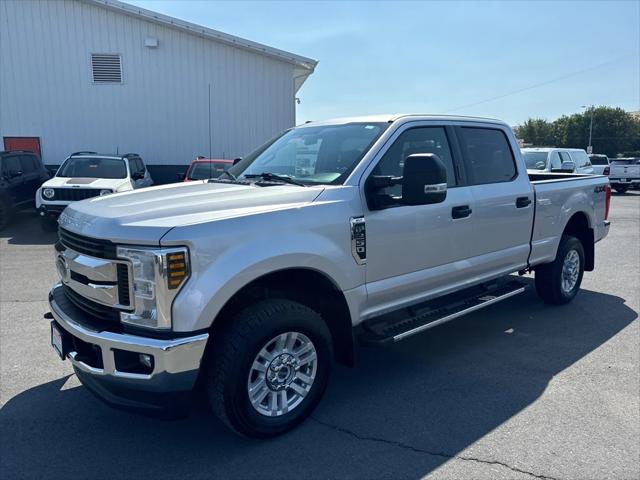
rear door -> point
(502, 199)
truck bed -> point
(558, 197)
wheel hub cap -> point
(570, 271)
(281, 371)
(282, 374)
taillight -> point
(607, 201)
(606, 171)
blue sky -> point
(444, 57)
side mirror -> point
(424, 180)
(137, 175)
(566, 167)
(15, 173)
(181, 176)
(237, 160)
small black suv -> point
(21, 174)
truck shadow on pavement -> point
(25, 229)
(401, 412)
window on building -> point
(106, 68)
(488, 155)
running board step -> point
(389, 328)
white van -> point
(567, 160)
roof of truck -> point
(382, 118)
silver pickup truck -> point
(625, 174)
(250, 285)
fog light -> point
(146, 360)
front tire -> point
(621, 189)
(269, 368)
(558, 282)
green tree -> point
(536, 131)
(614, 131)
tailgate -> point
(625, 170)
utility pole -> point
(590, 147)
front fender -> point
(230, 253)
(211, 287)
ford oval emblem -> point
(63, 269)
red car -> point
(204, 168)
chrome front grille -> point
(87, 245)
(94, 279)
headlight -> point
(48, 193)
(105, 191)
(157, 276)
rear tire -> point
(558, 282)
(268, 368)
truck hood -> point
(144, 216)
(81, 182)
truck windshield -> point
(204, 170)
(313, 155)
(535, 160)
(93, 167)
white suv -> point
(565, 160)
(88, 174)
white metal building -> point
(106, 76)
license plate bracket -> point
(58, 341)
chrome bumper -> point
(176, 362)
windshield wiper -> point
(273, 177)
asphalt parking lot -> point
(519, 390)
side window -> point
(488, 155)
(581, 159)
(28, 163)
(11, 164)
(555, 160)
(566, 158)
(416, 140)
(141, 165)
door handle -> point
(461, 211)
(522, 202)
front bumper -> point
(50, 210)
(96, 358)
(627, 181)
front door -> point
(415, 251)
(13, 176)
